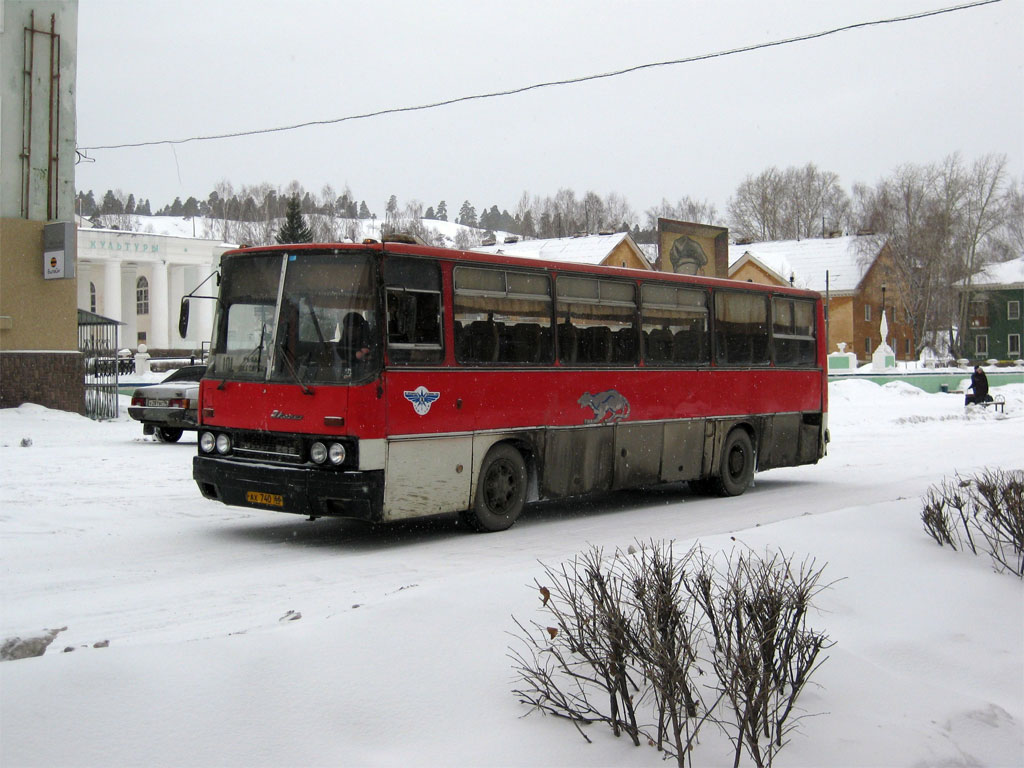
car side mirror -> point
(183, 318)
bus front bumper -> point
(301, 490)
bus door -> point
(429, 465)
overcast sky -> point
(859, 103)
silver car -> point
(169, 408)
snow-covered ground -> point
(231, 637)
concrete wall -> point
(17, 15)
(39, 358)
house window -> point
(142, 337)
(1013, 310)
(978, 312)
(981, 345)
(142, 296)
(867, 345)
(1013, 345)
(92, 297)
(867, 313)
(906, 348)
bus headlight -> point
(318, 453)
(336, 453)
(207, 442)
(223, 444)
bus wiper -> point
(279, 350)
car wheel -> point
(500, 490)
(736, 468)
(168, 434)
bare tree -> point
(687, 209)
(755, 212)
(787, 205)
(983, 210)
(942, 223)
(814, 204)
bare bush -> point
(983, 512)
(627, 640)
(763, 653)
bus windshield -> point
(323, 331)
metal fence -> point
(97, 340)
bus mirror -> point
(183, 318)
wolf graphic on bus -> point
(607, 406)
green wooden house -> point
(995, 322)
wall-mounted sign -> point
(58, 250)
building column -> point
(111, 306)
(178, 277)
(158, 337)
(130, 315)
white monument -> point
(883, 357)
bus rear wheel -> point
(736, 468)
(500, 490)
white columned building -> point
(139, 278)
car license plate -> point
(153, 403)
(267, 499)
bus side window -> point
(793, 332)
(502, 316)
(413, 295)
(741, 328)
(675, 325)
(599, 321)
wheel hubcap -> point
(737, 461)
(500, 487)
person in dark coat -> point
(979, 383)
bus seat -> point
(686, 347)
(481, 342)
(659, 349)
(525, 343)
(625, 346)
(596, 344)
(568, 342)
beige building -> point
(39, 357)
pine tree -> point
(442, 211)
(364, 212)
(111, 204)
(294, 229)
(429, 213)
(467, 215)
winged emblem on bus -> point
(421, 399)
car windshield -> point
(325, 330)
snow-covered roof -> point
(586, 249)
(1004, 273)
(807, 261)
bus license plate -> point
(267, 499)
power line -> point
(552, 83)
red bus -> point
(387, 381)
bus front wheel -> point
(500, 490)
(736, 468)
